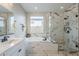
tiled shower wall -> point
(71, 28)
(56, 29)
(64, 27)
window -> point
(12, 21)
(2, 26)
(36, 23)
(36, 20)
(11, 24)
(1, 22)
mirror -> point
(3, 20)
(7, 21)
(11, 23)
(2, 26)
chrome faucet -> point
(5, 38)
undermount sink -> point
(12, 41)
(9, 43)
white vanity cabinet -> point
(16, 50)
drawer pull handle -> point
(19, 50)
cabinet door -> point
(16, 50)
(21, 49)
(11, 51)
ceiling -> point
(45, 7)
(2, 9)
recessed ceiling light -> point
(35, 8)
(61, 7)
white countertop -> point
(8, 44)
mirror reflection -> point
(11, 23)
(7, 21)
(2, 26)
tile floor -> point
(44, 48)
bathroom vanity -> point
(10, 46)
(13, 47)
